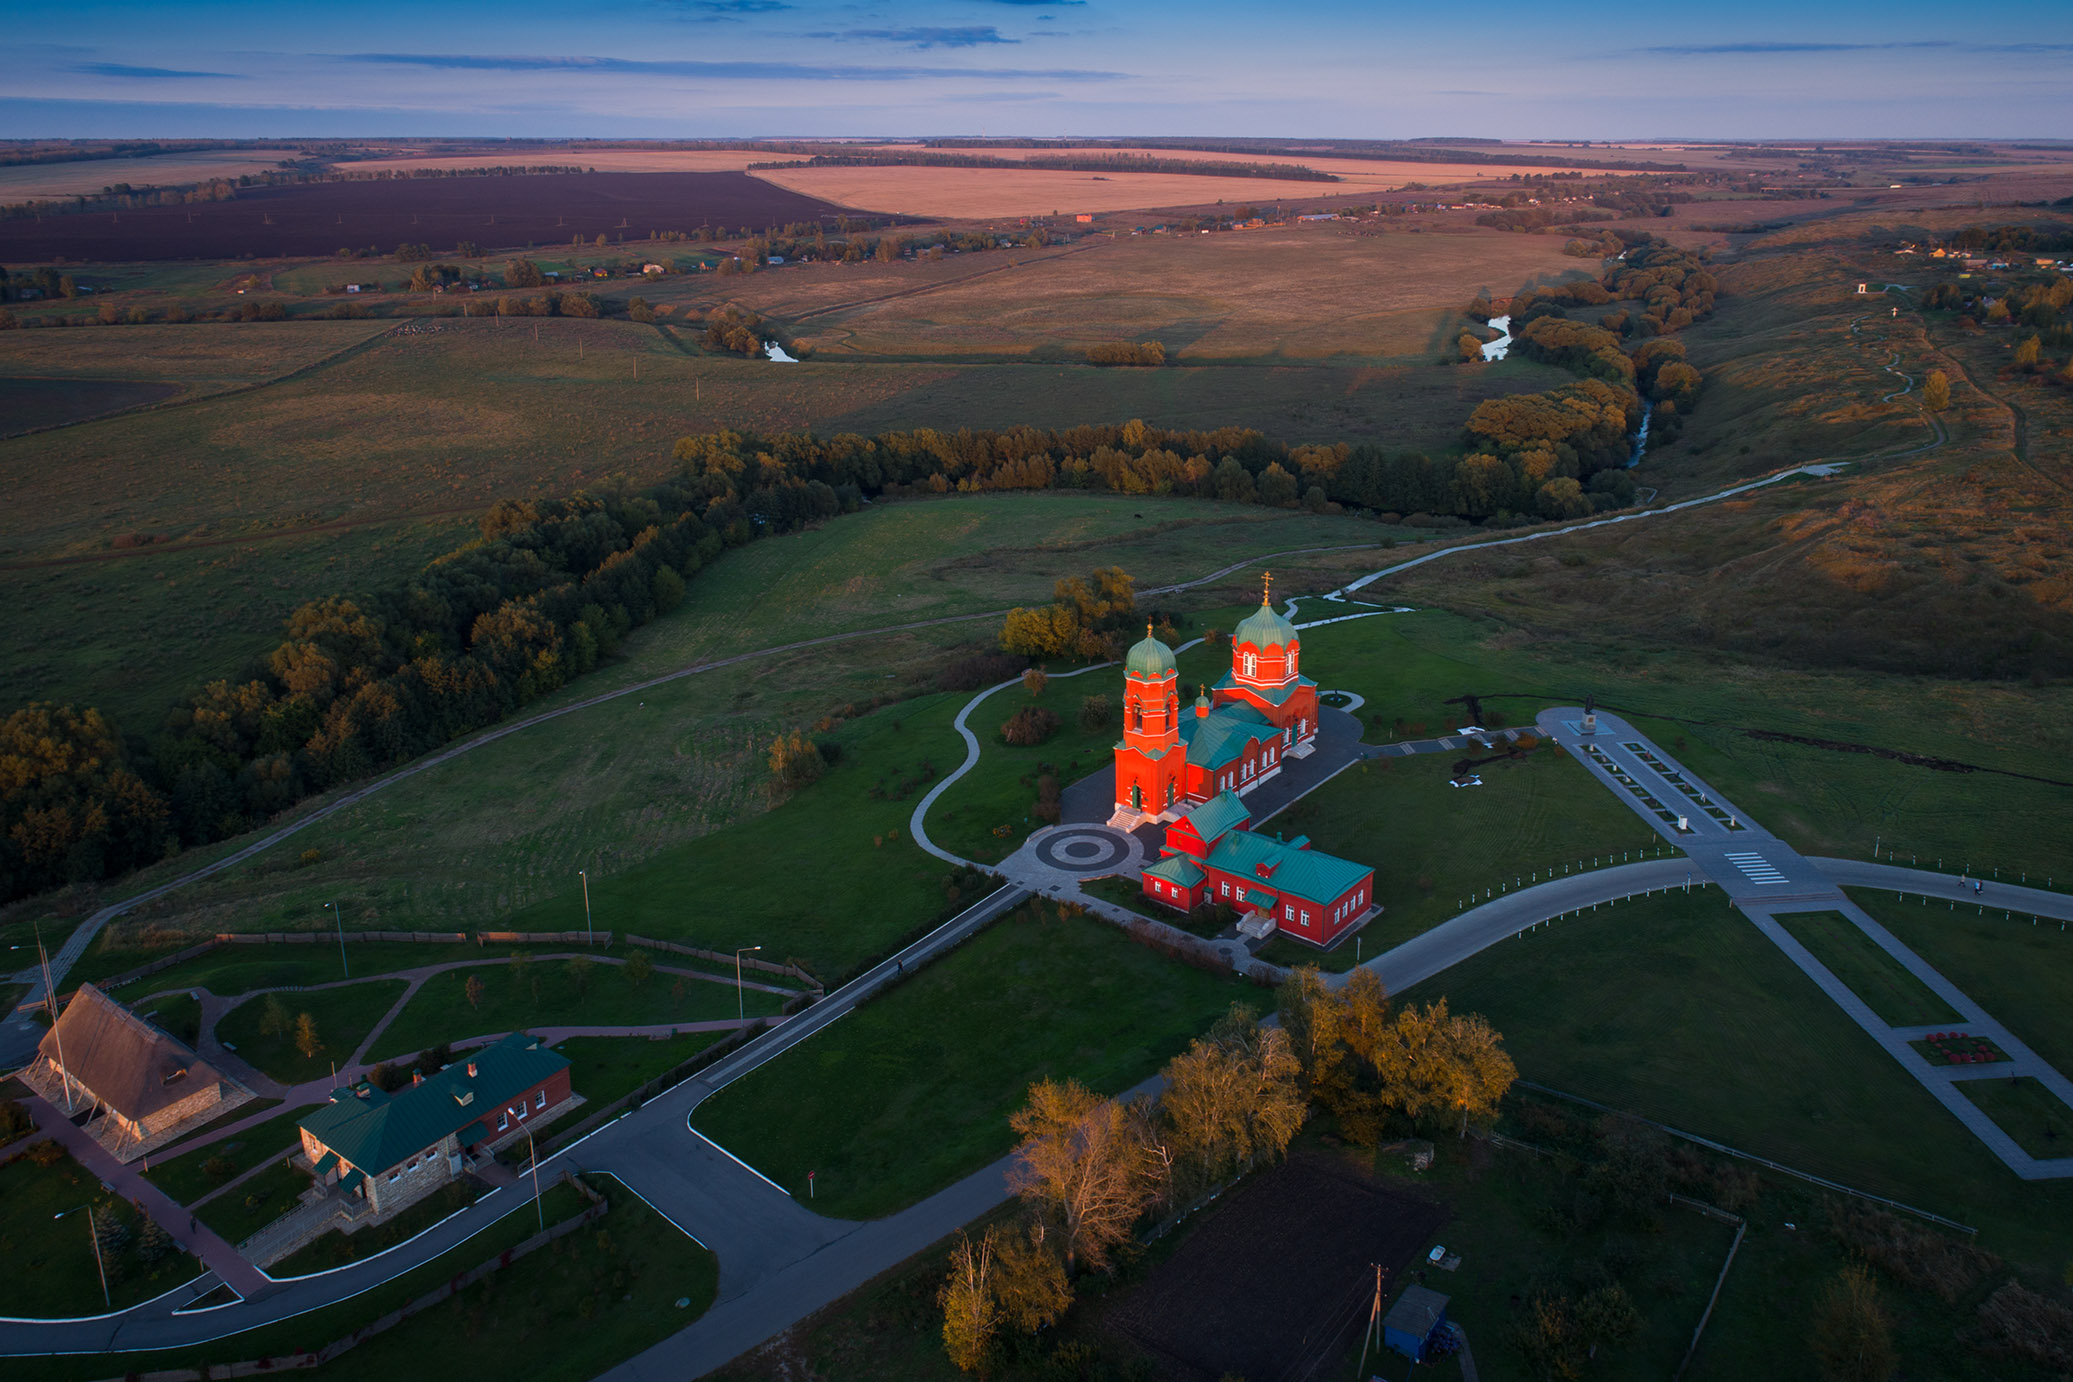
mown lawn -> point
(914, 1089)
(1680, 1010)
(184, 1177)
(2019, 972)
(556, 993)
(1886, 986)
(343, 1016)
(2036, 1118)
(244, 1209)
(51, 1272)
(338, 1247)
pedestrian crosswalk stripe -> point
(1756, 868)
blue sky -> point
(1381, 69)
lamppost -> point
(588, 939)
(740, 1006)
(534, 1153)
(338, 914)
(94, 1238)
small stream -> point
(1641, 437)
(1499, 348)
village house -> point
(148, 1086)
(391, 1150)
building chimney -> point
(471, 1070)
(417, 1077)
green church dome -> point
(1150, 658)
(1264, 628)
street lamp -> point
(588, 939)
(94, 1238)
(338, 914)
(534, 1152)
(740, 1007)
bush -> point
(1915, 1256)
(2020, 1323)
(1097, 712)
(1030, 725)
(1127, 353)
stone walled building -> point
(392, 1150)
(147, 1085)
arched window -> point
(1292, 659)
(1252, 664)
(1137, 717)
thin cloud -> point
(969, 36)
(1037, 4)
(724, 71)
(121, 69)
(726, 11)
(1759, 49)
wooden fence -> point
(593, 938)
(331, 937)
(747, 961)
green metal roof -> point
(1149, 658)
(1217, 815)
(1177, 868)
(1264, 628)
(1220, 736)
(374, 1131)
(1264, 901)
(1312, 876)
(1272, 695)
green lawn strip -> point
(828, 877)
(318, 1327)
(1436, 848)
(2019, 972)
(560, 1314)
(547, 993)
(338, 1247)
(2036, 1118)
(1753, 1054)
(230, 970)
(176, 1013)
(244, 1209)
(51, 1271)
(914, 1089)
(343, 1016)
(1897, 996)
(185, 1177)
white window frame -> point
(503, 1120)
(542, 1103)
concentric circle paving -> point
(1084, 850)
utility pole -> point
(1374, 1329)
(589, 939)
(94, 1238)
(534, 1152)
(50, 999)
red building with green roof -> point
(1232, 738)
(1211, 855)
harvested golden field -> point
(967, 194)
(597, 160)
(28, 181)
(1370, 173)
(201, 355)
(1283, 293)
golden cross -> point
(1267, 587)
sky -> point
(736, 68)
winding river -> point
(1499, 348)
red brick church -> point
(1229, 740)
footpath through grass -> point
(914, 1089)
(557, 993)
(2019, 972)
(1886, 985)
(1678, 1009)
(188, 1176)
(264, 1030)
(51, 1272)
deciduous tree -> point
(1852, 1335)
(1084, 1165)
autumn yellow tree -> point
(971, 1309)
(1086, 1166)
(1233, 1097)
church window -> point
(1252, 664)
(1136, 796)
(1137, 717)
(1291, 659)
